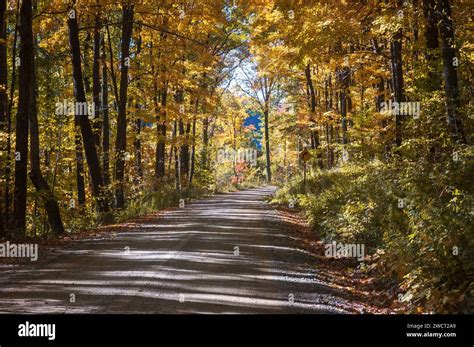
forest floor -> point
(229, 253)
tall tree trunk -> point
(184, 149)
(205, 143)
(96, 86)
(79, 153)
(379, 99)
(137, 142)
(121, 139)
(160, 97)
(267, 142)
(343, 82)
(86, 129)
(451, 83)
(85, 58)
(161, 136)
(314, 133)
(432, 57)
(397, 80)
(22, 119)
(105, 117)
(3, 66)
(9, 120)
(177, 168)
(172, 147)
(112, 69)
(3, 102)
(42, 187)
(193, 151)
(137, 145)
(193, 141)
(328, 106)
(432, 42)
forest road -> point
(230, 253)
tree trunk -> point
(3, 101)
(267, 143)
(451, 83)
(193, 141)
(397, 80)
(105, 117)
(343, 84)
(184, 149)
(42, 187)
(22, 119)
(86, 129)
(177, 168)
(137, 145)
(193, 151)
(85, 58)
(327, 99)
(121, 139)
(137, 142)
(3, 66)
(81, 186)
(9, 120)
(432, 42)
(205, 143)
(161, 136)
(96, 86)
(315, 142)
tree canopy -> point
(110, 109)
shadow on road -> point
(226, 254)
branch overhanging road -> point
(184, 262)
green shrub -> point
(427, 244)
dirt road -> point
(226, 254)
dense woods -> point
(112, 109)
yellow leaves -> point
(331, 115)
(326, 23)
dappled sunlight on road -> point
(225, 254)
